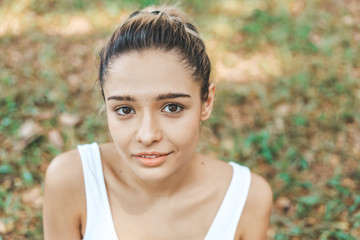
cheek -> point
(185, 132)
(117, 129)
(111, 123)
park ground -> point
(287, 105)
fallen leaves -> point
(283, 204)
(240, 116)
(6, 226)
(55, 138)
(29, 129)
(259, 67)
(76, 25)
(74, 83)
(69, 120)
(283, 109)
(44, 115)
(297, 6)
(33, 197)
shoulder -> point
(260, 191)
(64, 169)
(64, 178)
(256, 214)
(64, 195)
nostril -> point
(148, 133)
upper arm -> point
(63, 197)
(254, 221)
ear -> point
(207, 105)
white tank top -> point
(99, 224)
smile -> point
(150, 156)
(151, 159)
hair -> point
(161, 28)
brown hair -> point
(163, 28)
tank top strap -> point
(98, 213)
(227, 218)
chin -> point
(153, 174)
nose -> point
(149, 130)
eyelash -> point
(124, 114)
(179, 107)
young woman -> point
(149, 182)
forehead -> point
(148, 71)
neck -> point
(165, 187)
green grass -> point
(299, 129)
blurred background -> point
(287, 106)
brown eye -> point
(124, 111)
(173, 108)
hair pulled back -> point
(162, 28)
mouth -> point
(151, 159)
(150, 156)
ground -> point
(287, 104)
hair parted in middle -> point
(161, 28)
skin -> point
(153, 174)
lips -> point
(150, 156)
(153, 159)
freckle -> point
(120, 171)
(202, 163)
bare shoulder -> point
(65, 171)
(255, 218)
(260, 192)
(64, 197)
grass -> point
(291, 115)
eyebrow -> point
(171, 96)
(158, 98)
(121, 98)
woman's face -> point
(154, 111)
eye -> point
(123, 111)
(173, 108)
